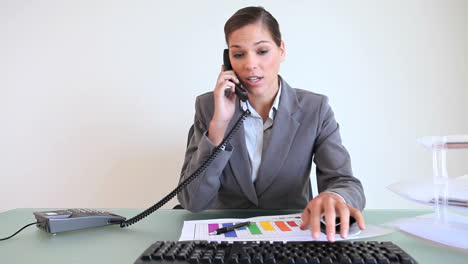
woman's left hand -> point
(329, 205)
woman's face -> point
(256, 59)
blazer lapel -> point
(239, 161)
(283, 133)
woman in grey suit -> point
(267, 163)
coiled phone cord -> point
(187, 181)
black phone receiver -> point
(240, 91)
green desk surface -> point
(112, 244)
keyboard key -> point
(344, 260)
(206, 260)
(194, 260)
(218, 260)
(234, 260)
(326, 260)
(258, 259)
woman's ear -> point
(282, 51)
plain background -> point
(96, 97)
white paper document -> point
(266, 228)
(453, 234)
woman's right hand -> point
(224, 106)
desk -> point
(112, 244)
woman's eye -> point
(237, 55)
(262, 52)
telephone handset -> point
(240, 91)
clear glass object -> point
(439, 145)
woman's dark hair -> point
(251, 15)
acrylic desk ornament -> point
(439, 147)
(443, 227)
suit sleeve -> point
(199, 194)
(333, 162)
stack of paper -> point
(453, 234)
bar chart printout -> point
(255, 231)
(263, 228)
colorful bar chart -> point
(255, 229)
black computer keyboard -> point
(310, 252)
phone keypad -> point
(87, 211)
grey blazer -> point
(304, 129)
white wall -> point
(96, 97)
